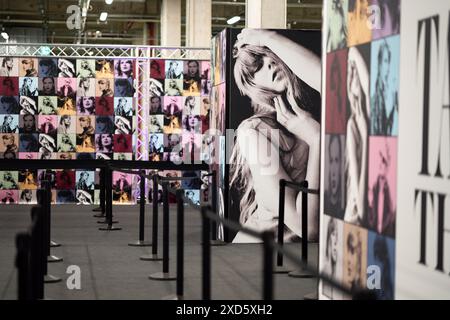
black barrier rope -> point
(207, 213)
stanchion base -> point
(109, 228)
(54, 259)
(140, 243)
(99, 215)
(48, 278)
(98, 209)
(217, 243)
(301, 273)
(161, 276)
(311, 296)
(54, 244)
(173, 297)
(150, 257)
(105, 221)
(281, 269)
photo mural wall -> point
(62, 108)
(360, 145)
(179, 117)
(271, 83)
(215, 143)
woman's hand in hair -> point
(300, 123)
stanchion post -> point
(108, 200)
(38, 262)
(164, 275)
(23, 267)
(268, 237)
(102, 191)
(141, 205)
(165, 228)
(213, 193)
(180, 243)
(102, 195)
(155, 215)
(45, 199)
(206, 255)
(141, 242)
(48, 210)
(281, 220)
(304, 272)
(305, 223)
(154, 255)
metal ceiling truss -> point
(102, 51)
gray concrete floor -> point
(110, 269)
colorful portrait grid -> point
(361, 128)
(179, 109)
(68, 186)
(58, 108)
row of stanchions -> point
(210, 218)
(34, 249)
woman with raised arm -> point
(282, 80)
(357, 135)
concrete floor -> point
(110, 269)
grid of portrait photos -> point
(178, 111)
(63, 108)
(360, 152)
(214, 143)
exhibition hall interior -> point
(234, 150)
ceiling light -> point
(5, 35)
(108, 1)
(103, 16)
(233, 20)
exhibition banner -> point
(423, 222)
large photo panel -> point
(275, 107)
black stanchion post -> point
(279, 267)
(180, 244)
(24, 273)
(101, 208)
(48, 178)
(45, 199)
(38, 261)
(48, 210)
(213, 193)
(206, 255)
(268, 237)
(164, 275)
(303, 272)
(141, 242)
(108, 200)
(214, 241)
(154, 255)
